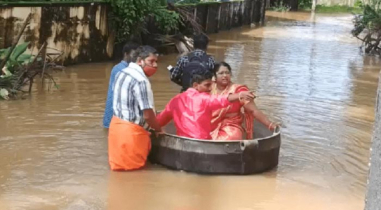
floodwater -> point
(308, 73)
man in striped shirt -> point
(133, 106)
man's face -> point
(204, 86)
(149, 65)
(151, 60)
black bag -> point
(194, 63)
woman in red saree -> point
(227, 123)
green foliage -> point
(367, 27)
(130, 17)
(180, 2)
(370, 19)
(305, 4)
(48, 1)
(336, 9)
(19, 49)
(17, 57)
(358, 4)
(280, 7)
(8, 75)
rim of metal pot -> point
(275, 133)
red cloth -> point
(227, 122)
(192, 112)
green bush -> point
(367, 27)
(280, 7)
(9, 74)
(305, 4)
(358, 4)
(186, 2)
(130, 17)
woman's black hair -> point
(218, 65)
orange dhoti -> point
(128, 145)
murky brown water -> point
(307, 72)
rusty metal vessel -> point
(217, 157)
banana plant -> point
(17, 59)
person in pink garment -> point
(192, 110)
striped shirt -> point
(132, 94)
(110, 93)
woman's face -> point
(223, 76)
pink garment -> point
(192, 112)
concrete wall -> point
(226, 15)
(83, 33)
(80, 31)
(294, 3)
(373, 195)
(214, 17)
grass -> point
(337, 9)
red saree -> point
(227, 122)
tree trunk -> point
(263, 12)
(314, 3)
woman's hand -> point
(246, 95)
(159, 133)
(273, 125)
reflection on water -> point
(307, 72)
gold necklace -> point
(215, 90)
